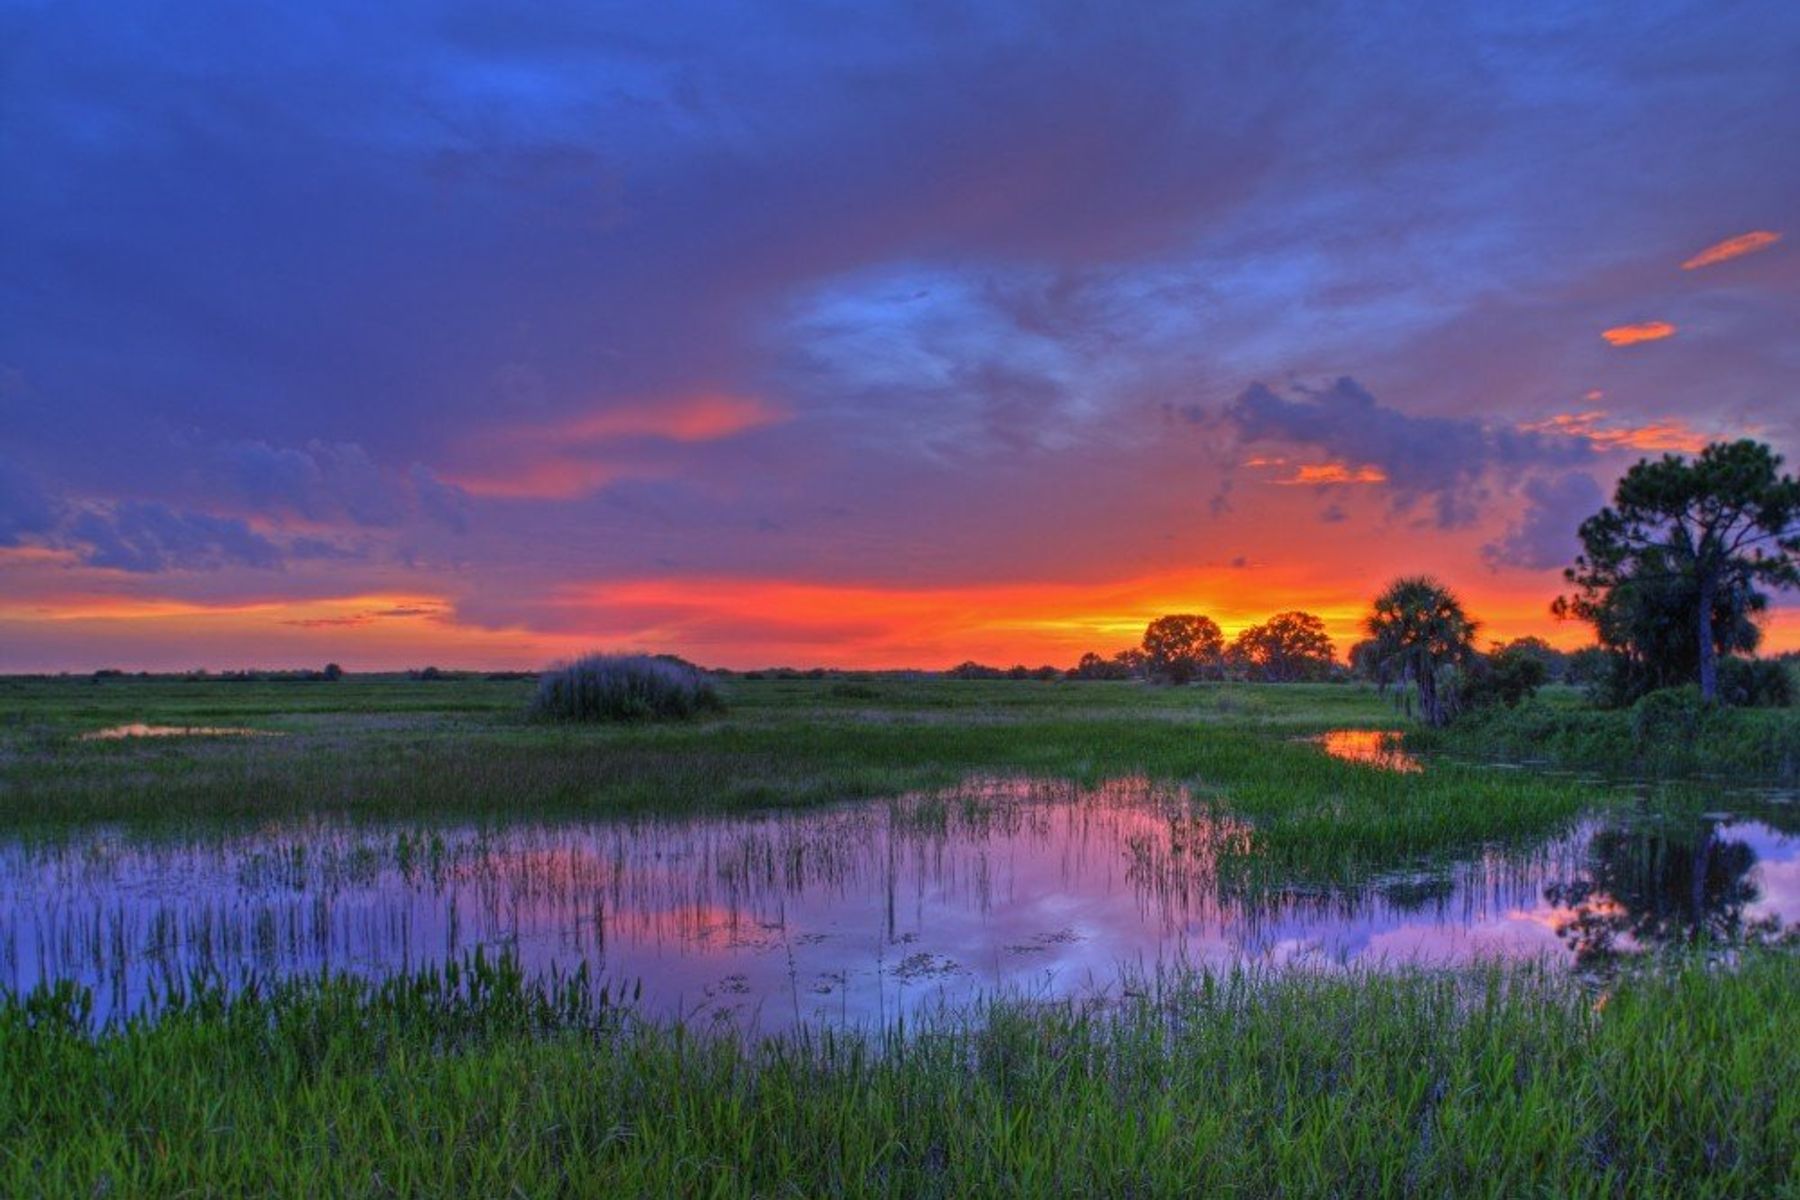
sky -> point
(857, 334)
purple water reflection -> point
(855, 913)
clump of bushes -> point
(620, 687)
(1755, 682)
(1745, 681)
(1669, 732)
(1509, 675)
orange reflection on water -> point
(137, 729)
(1374, 747)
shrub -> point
(610, 687)
(1755, 682)
(1668, 716)
(1092, 666)
(1509, 675)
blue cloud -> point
(25, 508)
(1445, 461)
(149, 538)
(1545, 536)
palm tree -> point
(1419, 629)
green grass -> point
(398, 748)
(1502, 1082)
(1663, 736)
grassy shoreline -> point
(1499, 1081)
(1659, 738)
(782, 743)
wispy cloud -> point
(578, 456)
(1667, 434)
(1631, 335)
(1733, 247)
(1318, 474)
(561, 478)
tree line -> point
(1290, 647)
(1673, 577)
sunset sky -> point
(857, 334)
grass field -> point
(1674, 1078)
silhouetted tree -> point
(1289, 646)
(1706, 531)
(1420, 633)
(1093, 666)
(1180, 647)
(1508, 674)
(1555, 662)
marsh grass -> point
(1664, 735)
(783, 745)
(480, 1081)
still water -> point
(856, 913)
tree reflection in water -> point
(1660, 885)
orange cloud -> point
(546, 479)
(1668, 434)
(1333, 472)
(703, 418)
(554, 462)
(96, 606)
(1733, 247)
(1319, 473)
(372, 631)
(1647, 331)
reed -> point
(480, 1081)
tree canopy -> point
(1671, 571)
(1419, 633)
(1181, 647)
(1288, 647)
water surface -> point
(859, 912)
(1372, 747)
(139, 729)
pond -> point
(856, 913)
